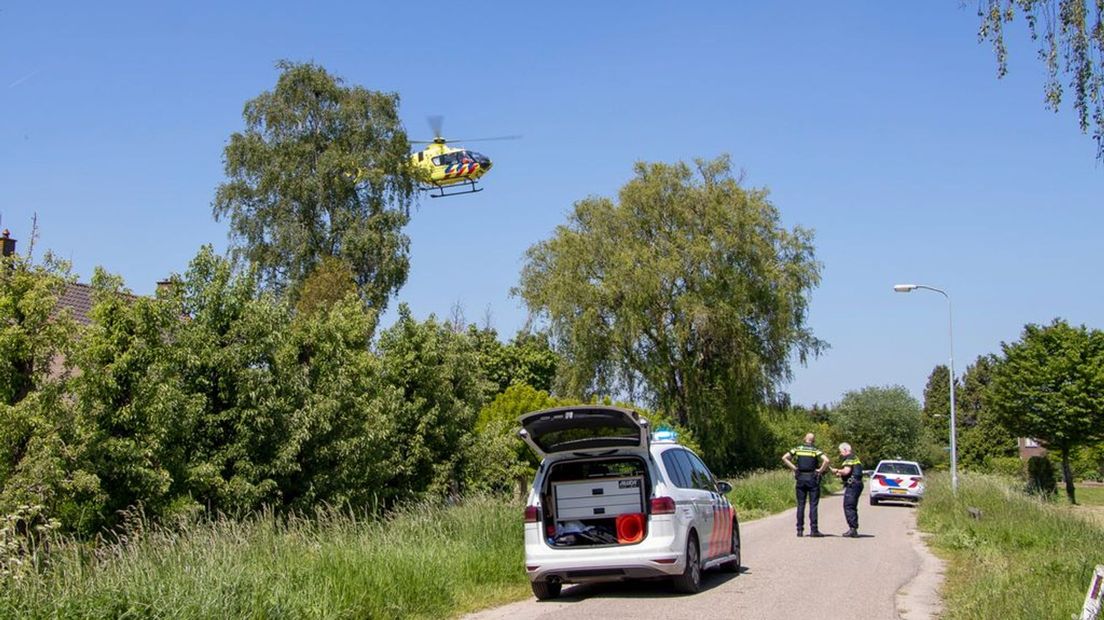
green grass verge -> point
(765, 493)
(1024, 558)
(1086, 495)
(1090, 502)
(424, 562)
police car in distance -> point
(896, 481)
(611, 501)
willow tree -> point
(1071, 36)
(320, 171)
(685, 291)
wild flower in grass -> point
(24, 541)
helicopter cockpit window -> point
(446, 160)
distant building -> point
(8, 244)
(76, 297)
(1030, 447)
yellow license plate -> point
(901, 491)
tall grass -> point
(764, 493)
(1024, 558)
(425, 561)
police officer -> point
(810, 464)
(850, 472)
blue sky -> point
(881, 126)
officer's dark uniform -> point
(852, 489)
(807, 460)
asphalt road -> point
(783, 576)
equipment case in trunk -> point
(598, 498)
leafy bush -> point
(1088, 463)
(526, 359)
(1040, 476)
(659, 420)
(880, 423)
(1011, 466)
(787, 428)
(36, 426)
(215, 395)
(933, 452)
(500, 461)
(433, 375)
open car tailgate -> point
(582, 428)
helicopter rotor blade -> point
(436, 121)
(513, 137)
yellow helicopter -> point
(442, 167)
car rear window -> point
(902, 469)
(594, 430)
(598, 468)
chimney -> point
(167, 286)
(9, 243)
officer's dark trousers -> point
(851, 504)
(807, 487)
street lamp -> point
(908, 288)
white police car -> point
(896, 481)
(610, 502)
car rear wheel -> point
(734, 565)
(545, 590)
(689, 582)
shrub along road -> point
(782, 576)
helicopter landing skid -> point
(469, 186)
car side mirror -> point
(724, 488)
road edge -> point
(919, 598)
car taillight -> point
(915, 482)
(531, 514)
(663, 506)
(880, 479)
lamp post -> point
(908, 288)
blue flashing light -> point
(664, 433)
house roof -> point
(77, 298)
